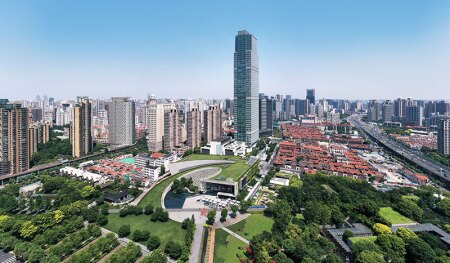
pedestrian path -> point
(236, 235)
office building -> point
(122, 121)
(212, 123)
(14, 157)
(442, 107)
(81, 127)
(387, 111)
(36, 114)
(374, 111)
(156, 123)
(444, 135)
(171, 130)
(194, 128)
(311, 95)
(246, 88)
(265, 115)
(413, 115)
(301, 107)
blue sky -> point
(343, 49)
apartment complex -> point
(212, 123)
(171, 130)
(81, 127)
(194, 128)
(121, 118)
(37, 133)
(14, 155)
(156, 112)
(444, 135)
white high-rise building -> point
(444, 135)
(121, 119)
(156, 123)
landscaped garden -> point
(393, 217)
(227, 248)
(252, 225)
(166, 231)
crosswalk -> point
(10, 259)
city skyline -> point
(353, 50)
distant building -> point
(246, 88)
(212, 123)
(122, 121)
(413, 115)
(14, 156)
(81, 127)
(37, 133)
(387, 111)
(171, 130)
(301, 107)
(265, 115)
(36, 114)
(444, 135)
(156, 123)
(194, 129)
(374, 111)
(311, 95)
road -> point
(425, 163)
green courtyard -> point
(167, 231)
(393, 217)
(252, 225)
(227, 247)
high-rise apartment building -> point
(81, 127)
(265, 114)
(246, 88)
(311, 95)
(444, 135)
(374, 111)
(413, 115)
(155, 123)
(387, 111)
(171, 130)
(37, 133)
(14, 157)
(212, 123)
(194, 128)
(122, 122)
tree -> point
(318, 213)
(87, 191)
(124, 230)
(173, 249)
(211, 217)
(332, 258)
(153, 243)
(381, 229)
(140, 235)
(160, 215)
(410, 209)
(418, 251)
(347, 234)
(405, 233)
(163, 170)
(369, 257)
(234, 209)
(35, 254)
(148, 209)
(223, 214)
(393, 247)
(443, 207)
(21, 250)
(364, 245)
(157, 256)
(28, 230)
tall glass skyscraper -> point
(246, 88)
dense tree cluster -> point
(130, 210)
(183, 185)
(126, 254)
(97, 250)
(159, 215)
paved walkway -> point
(236, 235)
(230, 221)
(196, 243)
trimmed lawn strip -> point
(355, 240)
(226, 248)
(166, 231)
(393, 216)
(252, 225)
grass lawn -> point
(167, 231)
(232, 171)
(355, 240)
(226, 247)
(393, 216)
(195, 157)
(252, 225)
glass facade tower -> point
(246, 88)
